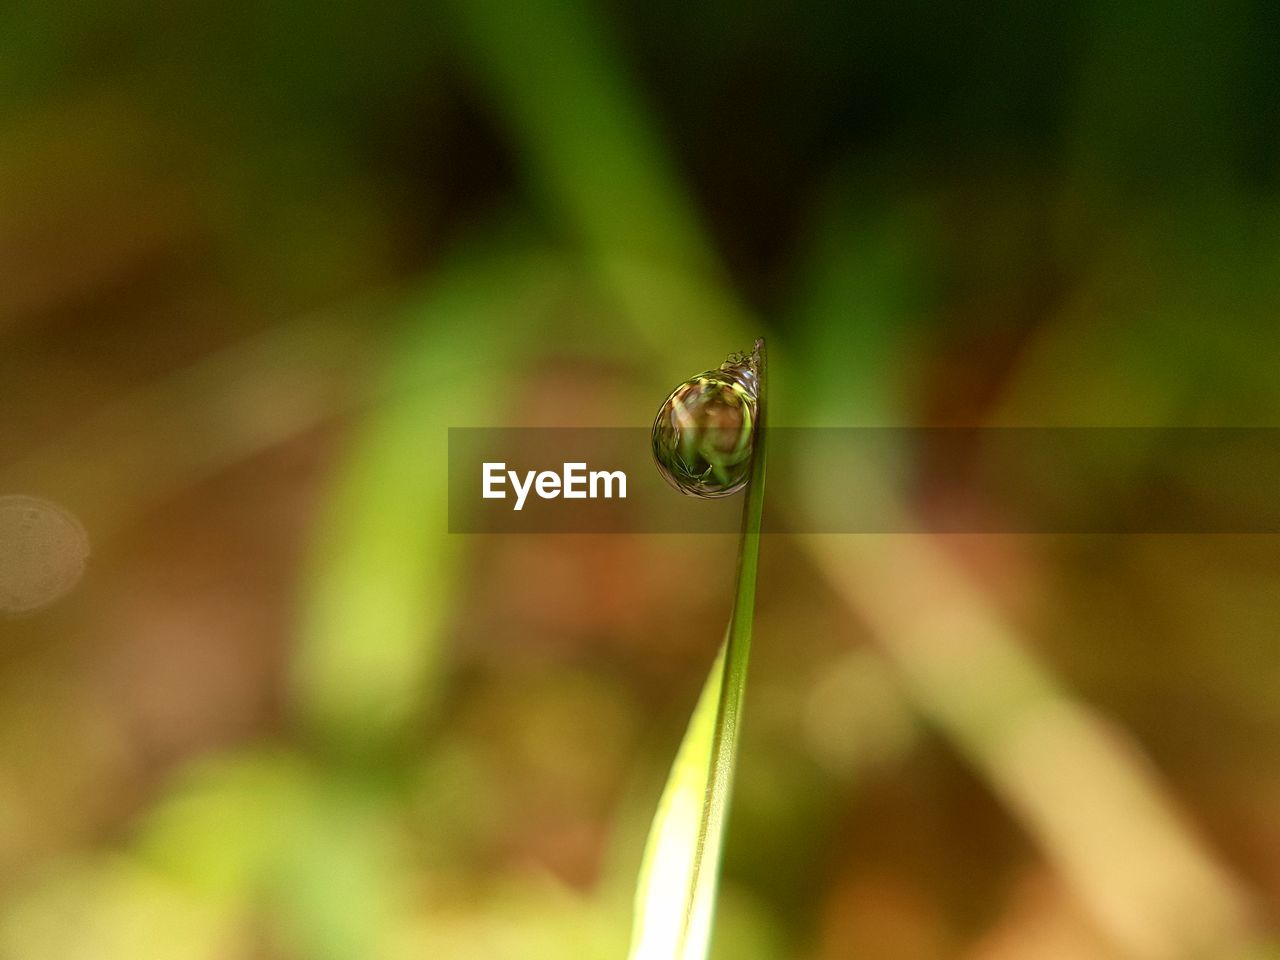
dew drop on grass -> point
(704, 434)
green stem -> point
(675, 894)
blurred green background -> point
(256, 258)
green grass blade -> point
(383, 567)
(676, 891)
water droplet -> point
(704, 434)
(42, 553)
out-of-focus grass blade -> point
(676, 892)
(557, 76)
(383, 565)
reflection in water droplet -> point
(704, 434)
(43, 549)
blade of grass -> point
(588, 148)
(383, 565)
(675, 895)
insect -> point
(704, 434)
